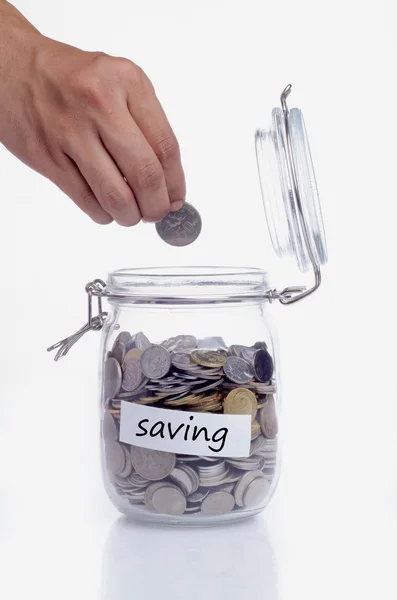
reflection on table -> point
(144, 562)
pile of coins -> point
(183, 373)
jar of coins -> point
(189, 396)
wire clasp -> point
(94, 323)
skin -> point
(89, 122)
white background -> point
(218, 67)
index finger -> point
(150, 117)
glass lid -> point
(289, 189)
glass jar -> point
(190, 390)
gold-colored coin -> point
(148, 400)
(240, 401)
(178, 402)
(207, 408)
(133, 353)
(208, 358)
(255, 429)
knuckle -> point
(167, 148)
(149, 176)
(88, 199)
(131, 221)
(87, 85)
(156, 212)
(115, 200)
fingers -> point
(105, 180)
(138, 163)
(73, 184)
(152, 121)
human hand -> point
(90, 123)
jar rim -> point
(187, 284)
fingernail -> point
(176, 205)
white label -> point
(185, 432)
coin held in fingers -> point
(180, 228)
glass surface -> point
(218, 316)
(282, 213)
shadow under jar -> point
(190, 399)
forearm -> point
(18, 38)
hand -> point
(93, 125)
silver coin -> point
(124, 337)
(192, 509)
(154, 465)
(141, 342)
(155, 362)
(184, 479)
(260, 346)
(114, 458)
(207, 387)
(243, 484)
(180, 228)
(238, 370)
(112, 378)
(118, 351)
(256, 492)
(132, 374)
(109, 428)
(217, 503)
(128, 465)
(268, 418)
(153, 487)
(198, 496)
(169, 500)
(180, 343)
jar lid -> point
(289, 188)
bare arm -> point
(88, 122)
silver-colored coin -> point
(169, 500)
(109, 428)
(192, 509)
(227, 487)
(132, 374)
(128, 465)
(150, 490)
(154, 465)
(243, 484)
(207, 387)
(112, 378)
(180, 343)
(114, 458)
(268, 418)
(198, 496)
(238, 370)
(155, 362)
(246, 464)
(217, 503)
(260, 346)
(245, 352)
(124, 337)
(180, 228)
(185, 478)
(256, 492)
(187, 458)
(118, 352)
(141, 342)
(258, 444)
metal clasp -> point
(293, 294)
(94, 323)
